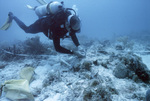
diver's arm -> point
(58, 48)
(74, 38)
(80, 51)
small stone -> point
(94, 82)
(87, 65)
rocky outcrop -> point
(131, 65)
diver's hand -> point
(81, 49)
(80, 52)
(77, 53)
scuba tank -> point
(50, 8)
(41, 10)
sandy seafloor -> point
(55, 78)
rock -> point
(87, 95)
(103, 52)
(86, 75)
(104, 64)
(94, 82)
(96, 63)
(121, 71)
(103, 92)
(76, 67)
(106, 43)
(134, 64)
(53, 76)
(36, 91)
(120, 47)
(135, 78)
(143, 75)
(87, 65)
(34, 46)
(113, 90)
(97, 92)
(147, 98)
(2, 66)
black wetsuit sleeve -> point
(58, 48)
(74, 39)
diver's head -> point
(74, 22)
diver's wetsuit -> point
(52, 27)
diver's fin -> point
(42, 2)
(7, 24)
(30, 7)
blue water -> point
(100, 18)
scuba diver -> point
(55, 22)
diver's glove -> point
(81, 49)
(80, 52)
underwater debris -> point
(2, 66)
(51, 77)
(96, 93)
(119, 47)
(28, 48)
(96, 62)
(76, 67)
(94, 78)
(124, 43)
(34, 46)
(18, 89)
